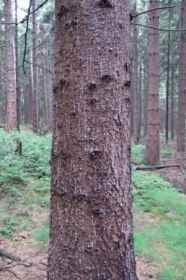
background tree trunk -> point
(182, 84)
(168, 75)
(91, 204)
(34, 74)
(152, 150)
(18, 105)
(11, 114)
(172, 104)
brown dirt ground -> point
(34, 262)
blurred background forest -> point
(26, 93)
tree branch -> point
(35, 10)
(155, 167)
(155, 28)
(4, 253)
(26, 35)
(148, 11)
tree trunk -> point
(11, 117)
(146, 91)
(34, 74)
(168, 76)
(152, 153)
(172, 105)
(17, 70)
(138, 126)
(1, 78)
(182, 85)
(91, 204)
(135, 92)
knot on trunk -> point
(127, 83)
(94, 153)
(106, 78)
(92, 86)
(60, 192)
(97, 211)
(63, 10)
(105, 4)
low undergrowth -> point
(160, 224)
(159, 209)
(24, 180)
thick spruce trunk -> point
(91, 204)
(152, 153)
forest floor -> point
(159, 212)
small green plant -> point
(165, 152)
(138, 152)
(42, 234)
(24, 180)
(171, 274)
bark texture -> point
(11, 114)
(152, 153)
(182, 84)
(91, 205)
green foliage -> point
(139, 149)
(165, 152)
(10, 223)
(171, 274)
(164, 240)
(11, 179)
(36, 152)
(25, 180)
(138, 152)
(42, 234)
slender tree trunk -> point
(17, 70)
(11, 117)
(34, 74)
(146, 91)
(168, 76)
(91, 204)
(182, 85)
(138, 126)
(172, 104)
(135, 92)
(152, 151)
(1, 79)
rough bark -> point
(91, 204)
(152, 153)
(11, 114)
(182, 84)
